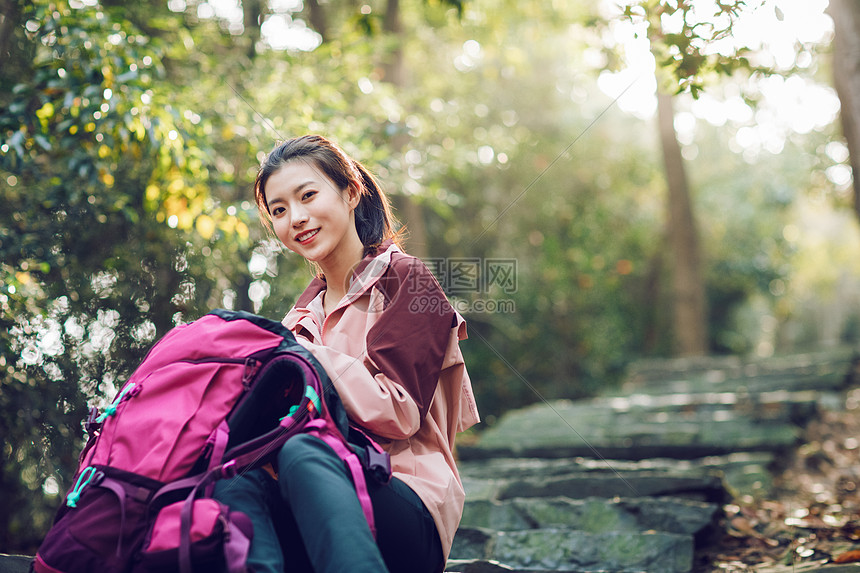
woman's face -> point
(310, 215)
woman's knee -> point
(302, 448)
(305, 464)
(255, 484)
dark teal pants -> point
(310, 519)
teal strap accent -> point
(111, 410)
(314, 397)
(75, 494)
(292, 411)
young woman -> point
(379, 323)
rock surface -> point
(14, 563)
(635, 480)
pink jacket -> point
(391, 348)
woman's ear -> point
(353, 194)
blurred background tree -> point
(520, 132)
(846, 79)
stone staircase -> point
(635, 481)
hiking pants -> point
(310, 519)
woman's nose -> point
(300, 217)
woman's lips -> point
(307, 236)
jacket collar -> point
(365, 275)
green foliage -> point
(683, 35)
(106, 205)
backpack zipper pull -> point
(251, 367)
(83, 479)
(111, 410)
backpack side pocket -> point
(101, 529)
(219, 541)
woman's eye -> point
(308, 195)
(277, 211)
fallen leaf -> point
(852, 556)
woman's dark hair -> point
(374, 220)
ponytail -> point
(374, 219)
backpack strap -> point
(122, 490)
(218, 443)
(237, 543)
(187, 513)
(119, 490)
(321, 430)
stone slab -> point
(592, 515)
(562, 429)
(15, 563)
(710, 368)
(605, 479)
(565, 550)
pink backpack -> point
(212, 398)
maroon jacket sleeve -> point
(408, 341)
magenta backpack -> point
(212, 398)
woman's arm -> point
(372, 399)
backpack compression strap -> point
(319, 429)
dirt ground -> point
(813, 517)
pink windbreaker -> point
(391, 348)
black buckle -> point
(378, 464)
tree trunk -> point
(252, 18)
(846, 79)
(688, 289)
(317, 17)
(412, 214)
(9, 16)
(394, 70)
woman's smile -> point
(306, 237)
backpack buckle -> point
(378, 464)
(228, 470)
(92, 425)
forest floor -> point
(813, 516)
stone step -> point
(564, 429)
(552, 478)
(570, 550)
(704, 487)
(490, 566)
(709, 369)
(507, 478)
(478, 566)
(15, 563)
(834, 381)
(777, 405)
(629, 481)
(592, 515)
(743, 473)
